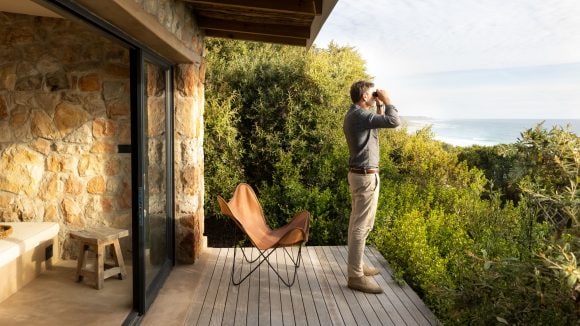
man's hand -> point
(383, 96)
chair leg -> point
(265, 255)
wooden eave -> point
(293, 22)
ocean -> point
(485, 132)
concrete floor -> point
(55, 298)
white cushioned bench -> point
(25, 253)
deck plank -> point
(318, 297)
(349, 295)
(316, 292)
(307, 293)
(232, 300)
(275, 303)
(397, 309)
(243, 291)
(223, 291)
(264, 294)
(295, 290)
(252, 317)
(368, 302)
(211, 295)
(285, 295)
(392, 317)
(335, 285)
(333, 309)
(194, 309)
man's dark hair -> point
(358, 89)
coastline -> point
(482, 132)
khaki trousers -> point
(364, 192)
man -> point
(371, 110)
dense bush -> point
(281, 111)
(485, 235)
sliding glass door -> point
(155, 184)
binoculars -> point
(375, 94)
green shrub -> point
(484, 235)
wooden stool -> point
(97, 239)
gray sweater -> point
(362, 135)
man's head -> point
(361, 92)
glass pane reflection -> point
(156, 181)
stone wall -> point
(64, 108)
(177, 18)
(189, 99)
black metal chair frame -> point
(265, 254)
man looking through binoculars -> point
(371, 110)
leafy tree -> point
(486, 235)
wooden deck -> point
(319, 296)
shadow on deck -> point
(202, 294)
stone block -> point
(94, 104)
(42, 126)
(45, 102)
(112, 167)
(93, 53)
(56, 81)
(73, 186)
(186, 77)
(190, 180)
(73, 149)
(52, 188)
(113, 90)
(118, 108)
(3, 109)
(19, 116)
(48, 64)
(29, 83)
(22, 170)
(26, 210)
(187, 204)
(60, 163)
(72, 213)
(104, 128)
(10, 54)
(96, 185)
(117, 71)
(104, 148)
(185, 117)
(124, 132)
(51, 213)
(125, 199)
(6, 200)
(185, 247)
(5, 134)
(7, 77)
(69, 117)
(82, 135)
(20, 36)
(107, 204)
(89, 165)
(40, 145)
(90, 83)
(116, 54)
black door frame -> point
(142, 298)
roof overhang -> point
(292, 22)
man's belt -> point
(363, 171)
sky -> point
(467, 59)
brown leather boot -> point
(364, 284)
(370, 271)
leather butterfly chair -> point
(246, 211)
